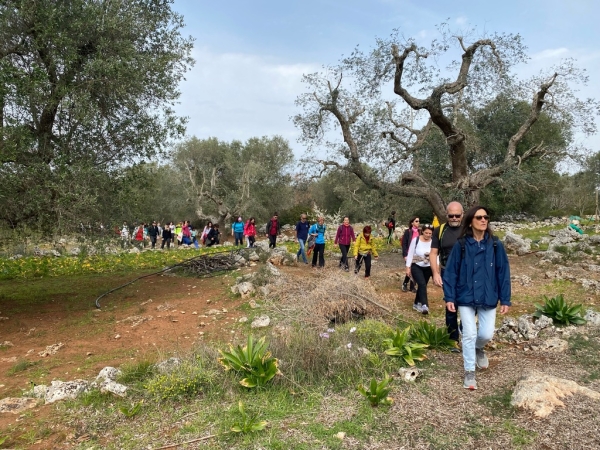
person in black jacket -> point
(213, 236)
(412, 231)
(167, 236)
(153, 233)
(391, 226)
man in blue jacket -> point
(476, 277)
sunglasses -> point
(428, 226)
(485, 217)
(454, 216)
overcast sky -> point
(250, 56)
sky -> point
(250, 56)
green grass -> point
(585, 349)
(20, 366)
(499, 402)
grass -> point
(20, 366)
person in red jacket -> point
(273, 230)
(344, 237)
(250, 232)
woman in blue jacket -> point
(477, 276)
(237, 229)
(318, 230)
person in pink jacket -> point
(250, 232)
(344, 237)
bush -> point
(253, 361)
(137, 372)
(187, 380)
(431, 335)
(371, 333)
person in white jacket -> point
(418, 267)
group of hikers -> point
(462, 255)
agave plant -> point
(435, 337)
(377, 392)
(253, 361)
(399, 345)
(248, 424)
(560, 311)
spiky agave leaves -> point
(377, 392)
(399, 345)
(560, 311)
(253, 361)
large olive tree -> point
(386, 106)
(85, 86)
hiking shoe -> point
(424, 309)
(470, 382)
(417, 307)
(404, 287)
(413, 290)
(480, 359)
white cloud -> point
(461, 20)
(238, 96)
(550, 53)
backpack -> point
(389, 224)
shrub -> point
(431, 335)
(249, 423)
(137, 372)
(560, 311)
(186, 380)
(372, 333)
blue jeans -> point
(239, 237)
(474, 337)
(302, 252)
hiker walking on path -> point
(476, 277)
(167, 235)
(418, 267)
(153, 233)
(302, 228)
(273, 230)
(364, 247)
(250, 232)
(318, 230)
(411, 233)
(237, 230)
(444, 238)
(391, 226)
(344, 238)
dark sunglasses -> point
(485, 217)
(454, 216)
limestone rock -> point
(134, 250)
(554, 345)
(108, 373)
(410, 374)
(592, 317)
(60, 390)
(254, 257)
(75, 251)
(245, 289)
(16, 405)
(261, 322)
(542, 393)
(51, 349)
(168, 365)
(273, 270)
(516, 244)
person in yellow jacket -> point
(364, 247)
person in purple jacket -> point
(344, 237)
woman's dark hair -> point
(466, 229)
(209, 223)
(426, 226)
(216, 225)
(367, 229)
(412, 219)
(251, 219)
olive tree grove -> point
(86, 86)
(389, 113)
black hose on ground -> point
(97, 302)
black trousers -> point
(344, 259)
(167, 241)
(319, 251)
(367, 260)
(272, 240)
(451, 320)
(153, 240)
(421, 275)
(251, 240)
